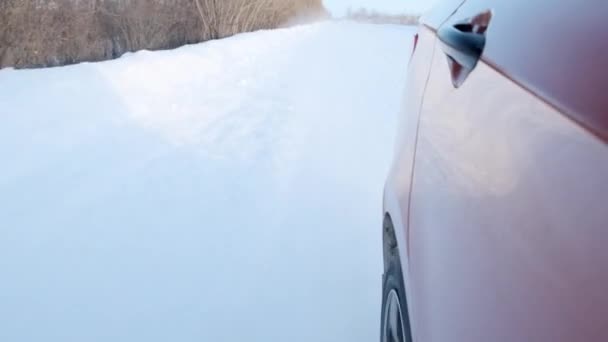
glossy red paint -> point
(416, 37)
(498, 188)
(557, 50)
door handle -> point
(464, 43)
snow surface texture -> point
(226, 191)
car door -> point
(398, 184)
(508, 219)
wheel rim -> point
(393, 327)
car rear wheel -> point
(395, 326)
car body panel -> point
(498, 188)
(507, 217)
(555, 49)
(398, 184)
(397, 189)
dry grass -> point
(224, 18)
(39, 33)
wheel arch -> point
(389, 240)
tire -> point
(393, 296)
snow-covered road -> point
(227, 191)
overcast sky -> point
(338, 7)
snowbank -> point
(225, 191)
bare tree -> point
(56, 32)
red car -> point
(496, 206)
